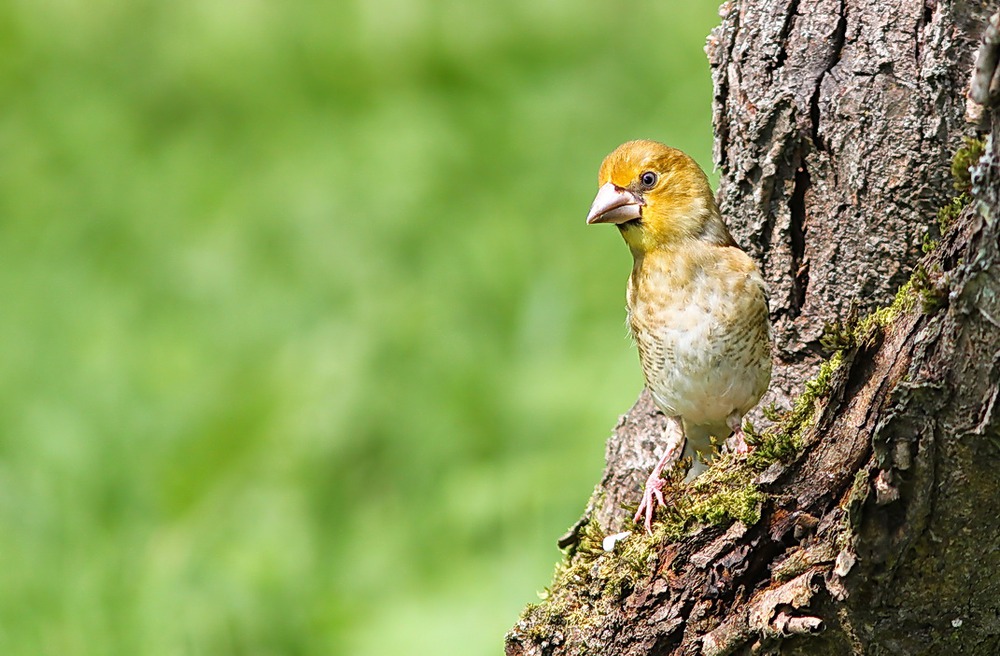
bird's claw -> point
(650, 497)
(740, 445)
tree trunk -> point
(835, 124)
(868, 519)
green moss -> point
(741, 503)
(928, 244)
(590, 564)
(837, 336)
(783, 439)
(724, 493)
(964, 159)
(591, 581)
(947, 215)
(871, 326)
(932, 295)
(632, 560)
(841, 336)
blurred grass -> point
(306, 347)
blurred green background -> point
(306, 346)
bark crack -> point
(786, 30)
(797, 234)
(839, 36)
(722, 96)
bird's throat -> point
(638, 239)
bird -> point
(697, 304)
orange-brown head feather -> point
(658, 196)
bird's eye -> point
(648, 179)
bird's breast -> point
(703, 337)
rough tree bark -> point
(836, 121)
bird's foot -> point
(738, 440)
(740, 445)
(652, 495)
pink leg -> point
(653, 493)
(740, 445)
(735, 422)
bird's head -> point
(657, 196)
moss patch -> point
(869, 328)
(966, 157)
(933, 296)
(946, 215)
(734, 499)
(590, 581)
(724, 493)
(783, 439)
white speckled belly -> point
(704, 348)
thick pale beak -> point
(614, 205)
